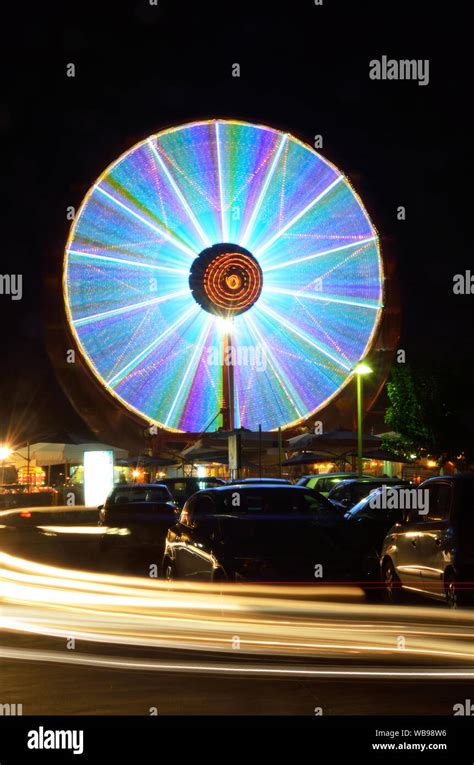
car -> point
(431, 550)
(348, 493)
(134, 503)
(262, 481)
(183, 488)
(366, 524)
(255, 532)
(136, 518)
(324, 482)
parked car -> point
(134, 503)
(433, 553)
(346, 494)
(255, 532)
(183, 488)
(367, 523)
(324, 482)
(136, 519)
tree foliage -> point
(430, 412)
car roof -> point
(372, 479)
(122, 486)
(458, 477)
(328, 475)
(261, 480)
(251, 486)
(174, 479)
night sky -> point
(304, 68)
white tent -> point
(44, 454)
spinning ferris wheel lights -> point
(222, 233)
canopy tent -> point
(45, 454)
(337, 442)
(382, 455)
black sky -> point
(304, 68)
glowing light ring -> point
(232, 281)
(303, 277)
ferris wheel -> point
(221, 273)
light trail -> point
(274, 624)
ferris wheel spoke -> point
(322, 254)
(159, 230)
(125, 262)
(304, 336)
(325, 320)
(297, 217)
(263, 190)
(322, 297)
(128, 308)
(224, 228)
(194, 360)
(286, 387)
(179, 194)
(118, 377)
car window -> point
(146, 494)
(279, 502)
(439, 501)
(363, 489)
(203, 505)
(374, 508)
(178, 486)
(339, 493)
(187, 512)
(326, 484)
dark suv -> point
(255, 532)
(136, 518)
(432, 552)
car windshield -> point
(281, 502)
(129, 496)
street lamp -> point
(360, 370)
(5, 452)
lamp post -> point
(360, 370)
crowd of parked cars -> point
(385, 534)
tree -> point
(429, 410)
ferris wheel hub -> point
(225, 279)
